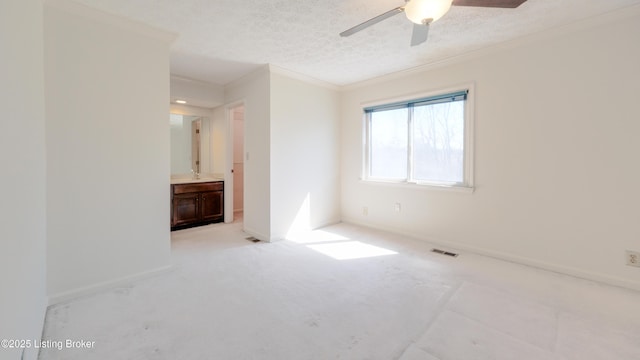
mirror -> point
(189, 145)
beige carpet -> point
(345, 292)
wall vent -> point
(442, 252)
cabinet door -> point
(211, 205)
(185, 209)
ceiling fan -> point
(423, 12)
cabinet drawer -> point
(197, 187)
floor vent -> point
(252, 239)
(438, 251)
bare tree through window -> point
(421, 141)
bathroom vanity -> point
(196, 202)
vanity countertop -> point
(191, 181)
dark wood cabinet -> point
(194, 204)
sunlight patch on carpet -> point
(350, 250)
(315, 236)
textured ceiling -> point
(221, 40)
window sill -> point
(419, 186)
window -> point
(424, 141)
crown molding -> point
(577, 26)
(197, 82)
(269, 69)
(249, 77)
(302, 77)
(90, 13)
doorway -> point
(236, 117)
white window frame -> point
(468, 168)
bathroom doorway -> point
(236, 129)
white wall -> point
(107, 136)
(291, 138)
(304, 156)
(196, 93)
(556, 153)
(253, 91)
(22, 155)
(190, 110)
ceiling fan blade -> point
(420, 34)
(490, 3)
(372, 21)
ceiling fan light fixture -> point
(420, 10)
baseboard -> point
(32, 353)
(281, 237)
(256, 234)
(106, 285)
(326, 223)
(566, 270)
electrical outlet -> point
(633, 258)
(396, 207)
(365, 211)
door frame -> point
(228, 175)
